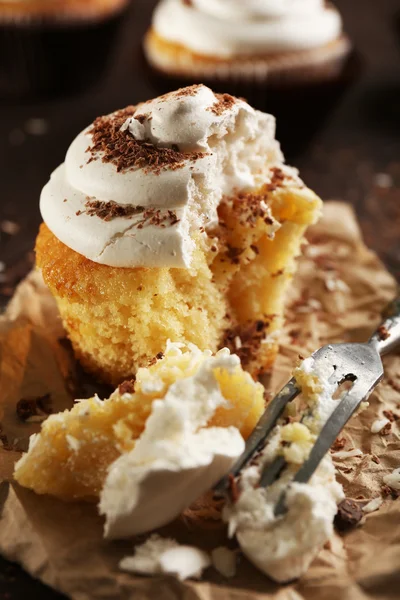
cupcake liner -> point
(299, 89)
(59, 54)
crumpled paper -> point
(338, 294)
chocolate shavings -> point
(349, 514)
(120, 148)
(107, 211)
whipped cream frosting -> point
(226, 28)
(177, 458)
(284, 546)
(159, 555)
(140, 186)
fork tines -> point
(358, 363)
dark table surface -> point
(356, 157)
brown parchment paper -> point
(338, 294)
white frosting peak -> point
(226, 28)
(185, 121)
(192, 147)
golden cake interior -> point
(70, 457)
(176, 59)
(233, 295)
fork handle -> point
(387, 336)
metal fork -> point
(359, 364)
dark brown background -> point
(356, 157)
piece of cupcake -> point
(263, 50)
(72, 454)
(175, 219)
(54, 46)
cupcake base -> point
(119, 319)
(299, 91)
(42, 57)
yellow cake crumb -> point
(310, 384)
(298, 442)
(233, 295)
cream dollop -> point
(226, 28)
(190, 148)
(176, 459)
(159, 555)
(284, 546)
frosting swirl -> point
(227, 28)
(140, 186)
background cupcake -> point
(54, 46)
(288, 57)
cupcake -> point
(53, 46)
(263, 50)
(173, 219)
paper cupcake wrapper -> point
(45, 56)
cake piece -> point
(174, 219)
(72, 454)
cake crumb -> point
(159, 555)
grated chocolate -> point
(223, 103)
(127, 387)
(107, 211)
(120, 148)
(251, 335)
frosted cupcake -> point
(174, 219)
(50, 46)
(264, 50)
